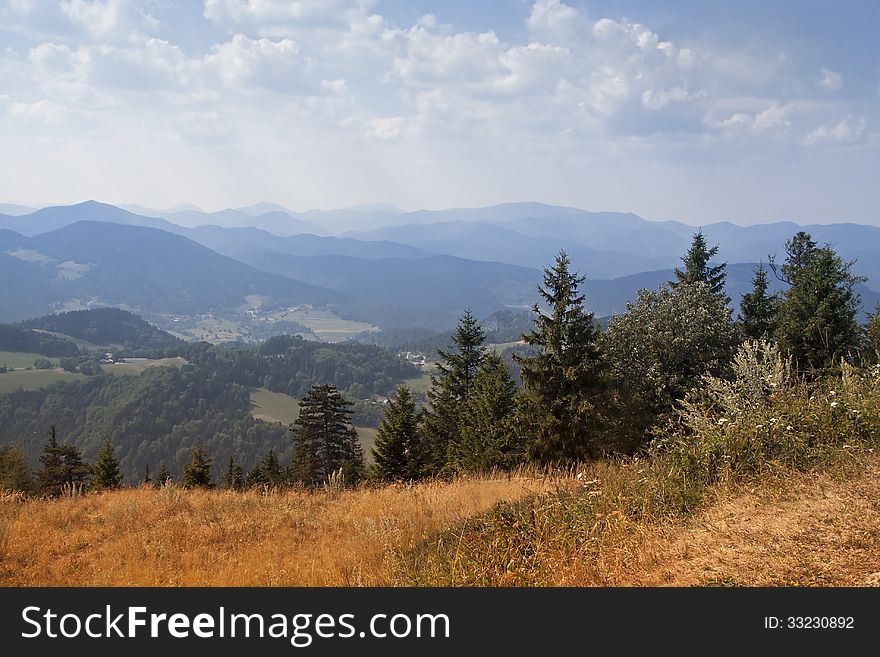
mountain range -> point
(375, 263)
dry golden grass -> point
(174, 537)
(816, 530)
(797, 529)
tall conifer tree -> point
(563, 378)
(397, 452)
(324, 440)
(457, 370)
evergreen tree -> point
(105, 471)
(563, 378)
(234, 479)
(162, 476)
(197, 473)
(457, 369)
(757, 317)
(324, 440)
(489, 437)
(62, 467)
(147, 480)
(271, 470)
(254, 476)
(817, 316)
(398, 452)
(697, 268)
(15, 475)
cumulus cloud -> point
(846, 131)
(346, 76)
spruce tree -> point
(457, 369)
(489, 437)
(234, 479)
(757, 317)
(63, 467)
(162, 476)
(254, 476)
(397, 452)
(324, 440)
(105, 470)
(562, 379)
(15, 475)
(817, 316)
(197, 473)
(147, 480)
(697, 268)
(271, 470)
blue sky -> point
(698, 111)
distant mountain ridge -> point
(133, 267)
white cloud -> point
(830, 80)
(244, 63)
(555, 21)
(108, 18)
(846, 131)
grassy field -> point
(324, 324)
(274, 406)
(173, 537)
(18, 359)
(818, 528)
(277, 407)
(139, 366)
(420, 385)
(34, 379)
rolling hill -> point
(94, 263)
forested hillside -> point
(107, 327)
(161, 414)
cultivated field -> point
(18, 359)
(137, 367)
(34, 379)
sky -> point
(692, 110)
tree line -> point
(586, 392)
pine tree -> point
(398, 452)
(234, 479)
(271, 470)
(62, 467)
(489, 437)
(254, 476)
(105, 471)
(324, 440)
(162, 476)
(15, 475)
(757, 317)
(817, 317)
(697, 268)
(147, 480)
(564, 376)
(197, 473)
(457, 370)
